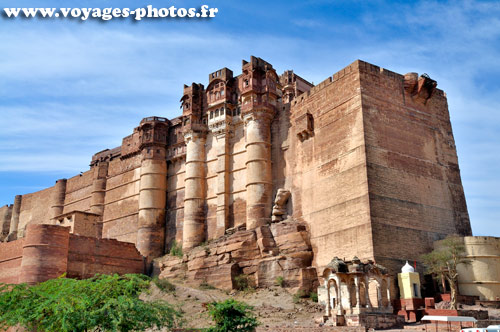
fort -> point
(263, 175)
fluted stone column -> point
(259, 185)
(339, 296)
(379, 295)
(99, 188)
(328, 298)
(194, 193)
(389, 304)
(14, 221)
(367, 294)
(152, 203)
(57, 199)
(222, 184)
(356, 282)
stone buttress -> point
(153, 186)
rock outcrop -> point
(265, 255)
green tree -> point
(232, 316)
(101, 303)
(443, 262)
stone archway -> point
(351, 286)
(383, 291)
(332, 291)
(362, 294)
(373, 291)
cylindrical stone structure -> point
(222, 190)
(14, 220)
(57, 199)
(5, 219)
(99, 188)
(258, 164)
(193, 232)
(152, 203)
(481, 277)
(45, 253)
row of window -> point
(216, 95)
(221, 111)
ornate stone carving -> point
(279, 207)
(305, 126)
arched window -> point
(222, 93)
(216, 112)
(211, 114)
(222, 111)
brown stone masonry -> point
(48, 251)
(265, 175)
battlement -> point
(223, 74)
(154, 119)
(256, 63)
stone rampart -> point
(49, 251)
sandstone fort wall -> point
(415, 191)
(10, 261)
(49, 251)
(330, 188)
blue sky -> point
(69, 88)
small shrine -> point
(409, 282)
(357, 294)
(411, 304)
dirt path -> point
(273, 307)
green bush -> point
(101, 303)
(297, 296)
(176, 249)
(232, 316)
(164, 285)
(241, 282)
(313, 296)
(280, 281)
